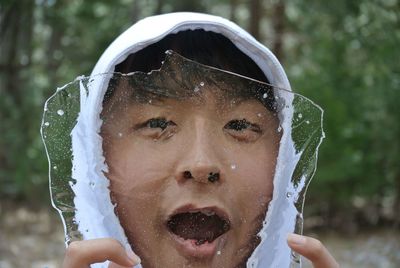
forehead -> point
(183, 79)
(221, 99)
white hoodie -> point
(95, 215)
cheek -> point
(138, 177)
(137, 180)
(253, 178)
(133, 167)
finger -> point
(83, 253)
(131, 255)
(313, 250)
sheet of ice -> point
(79, 188)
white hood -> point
(95, 213)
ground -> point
(34, 238)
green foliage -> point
(346, 59)
(341, 54)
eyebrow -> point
(224, 102)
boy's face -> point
(191, 179)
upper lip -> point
(192, 208)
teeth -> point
(194, 211)
(208, 212)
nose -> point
(200, 161)
(203, 177)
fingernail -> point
(132, 256)
(296, 239)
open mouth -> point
(199, 225)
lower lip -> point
(206, 250)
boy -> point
(191, 152)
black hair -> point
(205, 47)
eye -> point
(161, 123)
(237, 125)
(242, 124)
(157, 128)
(243, 130)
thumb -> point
(313, 250)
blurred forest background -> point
(344, 55)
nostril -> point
(213, 177)
(187, 175)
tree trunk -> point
(190, 6)
(9, 49)
(160, 4)
(16, 50)
(232, 9)
(54, 41)
(255, 17)
(135, 12)
(279, 27)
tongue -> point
(197, 226)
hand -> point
(81, 254)
(313, 250)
